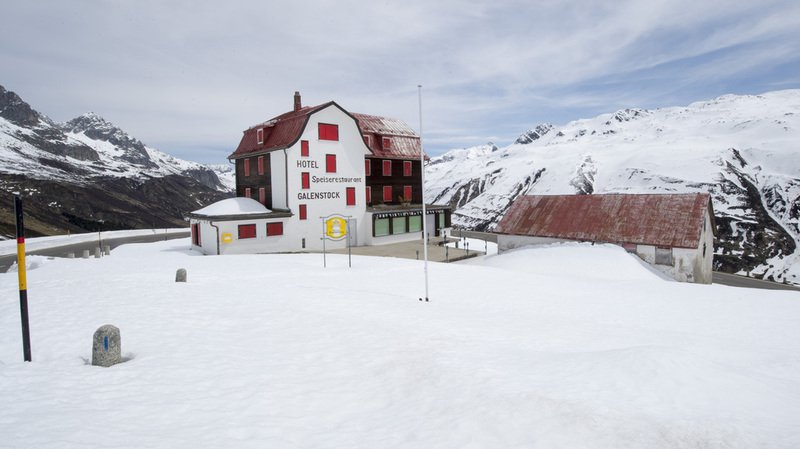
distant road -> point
(735, 280)
(78, 248)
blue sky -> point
(187, 77)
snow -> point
(275, 351)
(233, 206)
(37, 243)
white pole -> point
(422, 177)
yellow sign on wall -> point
(227, 237)
(336, 227)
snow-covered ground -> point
(10, 246)
(523, 349)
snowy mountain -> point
(90, 157)
(744, 150)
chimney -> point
(297, 104)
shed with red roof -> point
(674, 232)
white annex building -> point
(673, 232)
(317, 171)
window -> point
(247, 231)
(305, 180)
(328, 132)
(369, 194)
(196, 234)
(367, 167)
(274, 229)
(303, 212)
(262, 195)
(415, 223)
(399, 225)
(366, 139)
(387, 168)
(387, 194)
(387, 143)
(247, 193)
(407, 193)
(330, 163)
(304, 148)
(260, 134)
(406, 168)
(663, 256)
(351, 196)
(441, 220)
(381, 227)
(261, 165)
(247, 167)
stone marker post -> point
(70, 255)
(97, 253)
(106, 346)
(180, 275)
(86, 254)
(106, 250)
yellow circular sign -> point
(336, 228)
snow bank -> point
(274, 351)
(233, 206)
(32, 244)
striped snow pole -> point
(23, 285)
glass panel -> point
(381, 227)
(415, 223)
(399, 225)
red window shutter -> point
(274, 229)
(367, 167)
(387, 194)
(328, 131)
(261, 165)
(262, 195)
(369, 194)
(304, 148)
(247, 193)
(387, 143)
(387, 168)
(303, 212)
(260, 134)
(351, 196)
(247, 231)
(305, 179)
(406, 168)
(247, 167)
(330, 163)
(407, 193)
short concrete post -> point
(70, 255)
(417, 254)
(106, 346)
(97, 253)
(86, 254)
(180, 275)
(107, 250)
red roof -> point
(284, 130)
(404, 142)
(668, 220)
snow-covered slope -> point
(744, 150)
(273, 351)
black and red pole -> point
(23, 285)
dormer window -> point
(387, 143)
(260, 135)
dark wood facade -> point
(254, 181)
(397, 180)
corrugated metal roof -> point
(284, 130)
(667, 220)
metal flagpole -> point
(422, 178)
